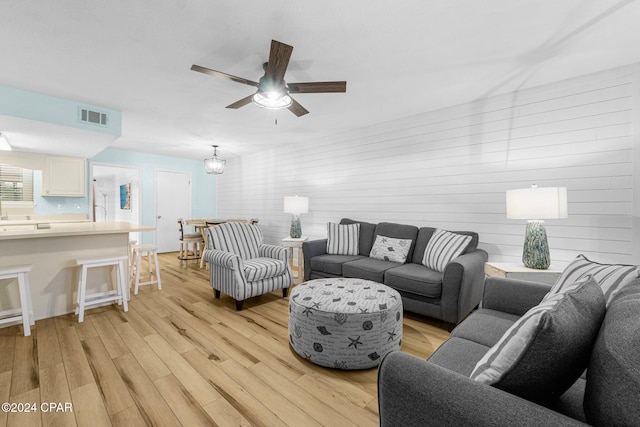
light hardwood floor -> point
(181, 357)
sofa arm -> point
(310, 249)
(273, 251)
(222, 259)
(414, 392)
(462, 285)
(511, 295)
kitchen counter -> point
(53, 252)
(59, 229)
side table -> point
(519, 271)
(297, 261)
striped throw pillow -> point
(611, 277)
(343, 239)
(443, 247)
(545, 351)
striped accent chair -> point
(242, 266)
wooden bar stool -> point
(130, 264)
(25, 312)
(191, 245)
(153, 275)
(119, 294)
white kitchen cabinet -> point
(64, 176)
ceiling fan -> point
(273, 92)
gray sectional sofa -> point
(449, 295)
(439, 391)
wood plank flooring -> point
(181, 357)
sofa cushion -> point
(613, 378)
(331, 264)
(485, 326)
(547, 349)
(343, 239)
(570, 403)
(398, 231)
(367, 268)
(443, 247)
(425, 233)
(263, 268)
(611, 277)
(458, 355)
(367, 234)
(390, 249)
(415, 279)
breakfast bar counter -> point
(52, 253)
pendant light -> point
(214, 164)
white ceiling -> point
(399, 58)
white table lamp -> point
(535, 205)
(295, 206)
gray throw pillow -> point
(546, 350)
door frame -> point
(155, 196)
(119, 166)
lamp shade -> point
(537, 203)
(296, 205)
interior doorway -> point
(173, 201)
(115, 194)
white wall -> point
(450, 169)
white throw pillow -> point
(343, 239)
(443, 247)
(390, 249)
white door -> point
(173, 201)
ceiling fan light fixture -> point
(214, 164)
(272, 100)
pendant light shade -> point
(214, 164)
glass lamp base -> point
(296, 228)
(536, 248)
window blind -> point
(16, 184)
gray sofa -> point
(438, 391)
(449, 296)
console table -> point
(296, 259)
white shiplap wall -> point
(451, 168)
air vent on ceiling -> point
(94, 117)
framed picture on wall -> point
(125, 196)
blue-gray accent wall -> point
(203, 200)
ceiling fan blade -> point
(297, 109)
(278, 60)
(317, 87)
(211, 72)
(241, 103)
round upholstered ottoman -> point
(344, 323)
